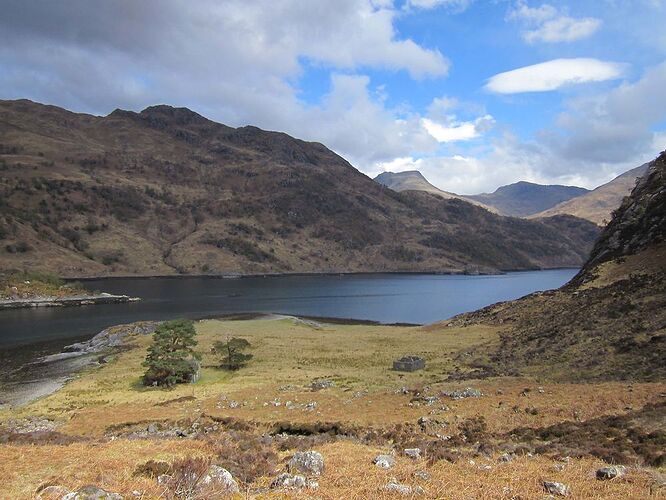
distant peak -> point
(179, 115)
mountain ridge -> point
(167, 191)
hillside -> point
(167, 191)
(522, 199)
(609, 322)
(413, 180)
(598, 204)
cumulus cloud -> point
(550, 25)
(458, 131)
(234, 61)
(551, 75)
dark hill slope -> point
(609, 322)
(167, 191)
(526, 198)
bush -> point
(232, 354)
(171, 359)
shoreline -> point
(71, 301)
(232, 275)
(59, 361)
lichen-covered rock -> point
(295, 481)
(393, 486)
(286, 480)
(414, 453)
(384, 461)
(556, 488)
(307, 462)
(606, 473)
(218, 480)
(92, 493)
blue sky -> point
(473, 93)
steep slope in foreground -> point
(609, 322)
(522, 199)
(598, 204)
(167, 191)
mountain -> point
(609, 322)
(525, 198)
(167, 191)
(598, 204)
(413, 180)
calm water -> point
(387, 298)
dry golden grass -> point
(292, 353)
(349, 473)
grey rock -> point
(393, 486)
(554, 488)
(606, 473)
(414, 453)
(409, 364)
(218, 479)
(286, 480)
(463, 393)
(422, 474)
(318, 385)
(307, 462)
(92, 493)
(384, 461)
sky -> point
(475, 94)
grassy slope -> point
(290, 352)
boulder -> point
(414, 453)
(554, 488)
(606, 473)
(218, 480)
(409, 364)
(307, 462)
(296, 481)
(92, 493)
(384, 461)
(393, 486)
(318, 385)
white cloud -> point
(458, 131)
(551, 75)
(550, 25)
(454, 5)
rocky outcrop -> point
(307, 462)
(638, 223)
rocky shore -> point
(47, 374)
(76, 300)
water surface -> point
(386, 298)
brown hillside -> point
(167, 191)
(598, 205)
(609, 322)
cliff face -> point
(167, 191)
(639, 222)
(609, 322)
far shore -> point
(231, 275)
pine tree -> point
(232, 354)
(171, 359)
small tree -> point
(232, 353)
(171, 359)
